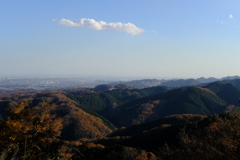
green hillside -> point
(100, 101)
(235, 82)
(190, 100)
(227, 91)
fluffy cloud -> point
(101, 25)
(230, 16)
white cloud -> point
(230, 16)
(101, 25)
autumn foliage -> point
(30, 129)
(213, 137)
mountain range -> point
(172, 82)
(157, 120)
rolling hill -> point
(189, 100)
(227, 91)
(77, 123)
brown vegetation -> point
(213, 137)
(207, 90)
(28, 128)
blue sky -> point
(154, 38)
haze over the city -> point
(120, 38)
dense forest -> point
(122, 122)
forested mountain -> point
(235, 82)
(190, 100)
(162, 122)
(100, 101)
(227, 91)
(76, 122)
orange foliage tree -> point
(28, 128)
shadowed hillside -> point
(202, 138)
(230, 92)
(190, 100)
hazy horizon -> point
(107, 77)
(138, 38)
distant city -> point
(10, 83)
(57, 82)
